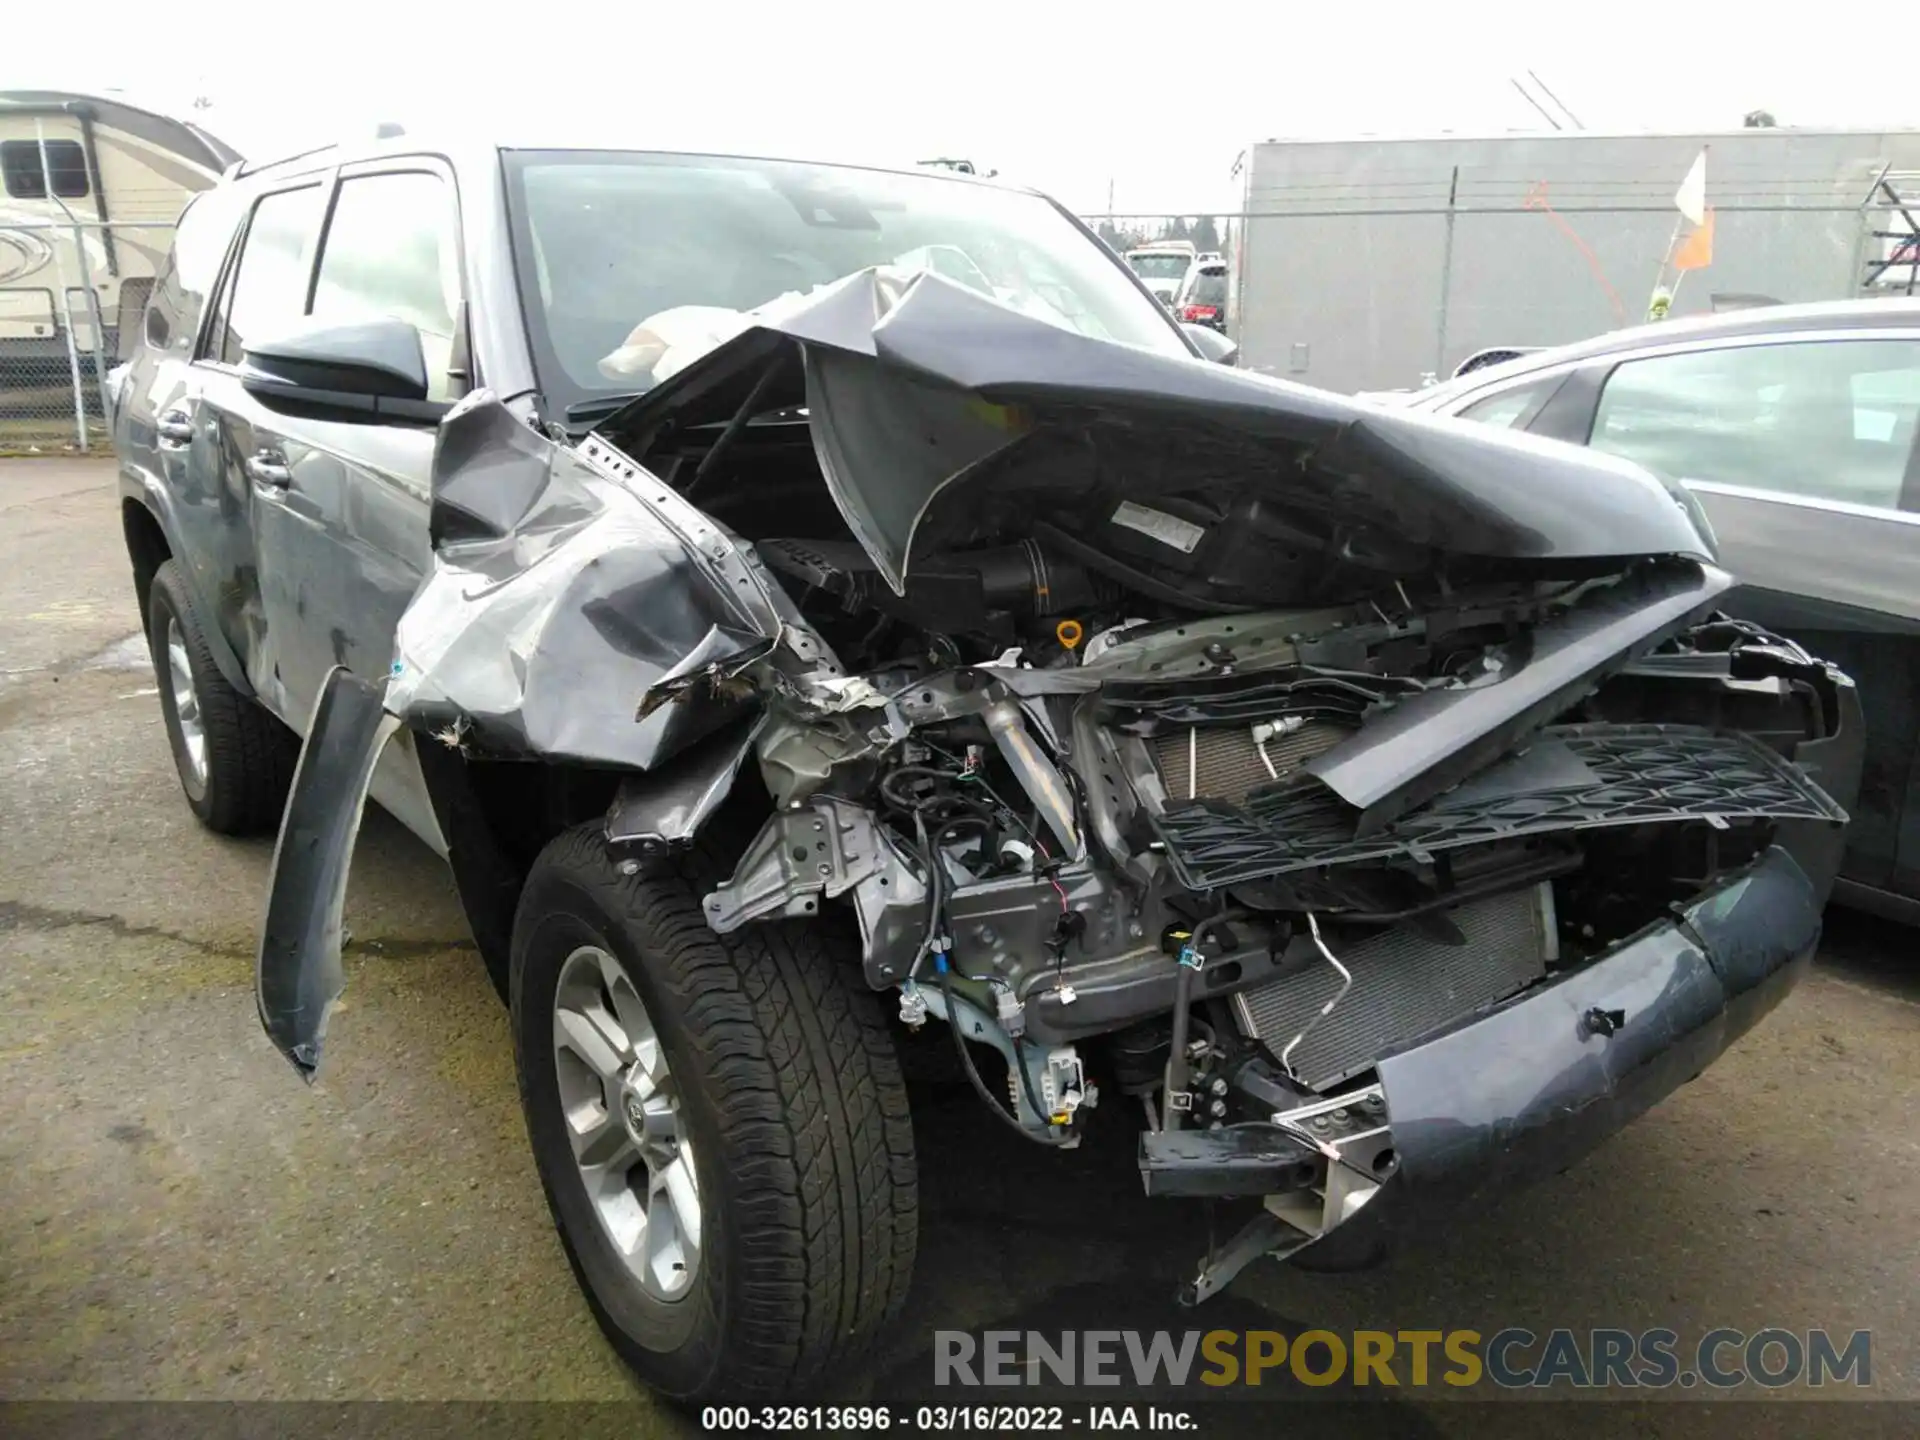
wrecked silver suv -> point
(1372, 810)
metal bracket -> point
(799, 857)
(1265, 1234)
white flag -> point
(1691, 197)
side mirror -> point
(1212, 344)
(371, 371)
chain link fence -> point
(72, 294)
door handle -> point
(175, 429)
(269, 467)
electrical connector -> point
(1008, 1010)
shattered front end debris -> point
(1373, 804)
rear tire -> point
(234, 759)
(786, 1096)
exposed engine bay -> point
(1193, 742)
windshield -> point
(632, 265)
(1159, 267)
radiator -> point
(1228, 763)
(1406, 984)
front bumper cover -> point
(1529, 1088)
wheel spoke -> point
(666, 1255)
(600, 1140)
(586, 1036)
(683, 1194)
(643, 1043)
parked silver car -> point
(1795, 426)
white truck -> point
(1162, 266)
(1375, 264)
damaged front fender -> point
(571, 597)
(577, 612)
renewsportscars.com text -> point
(1512, 1358)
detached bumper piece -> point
(1526, 1089)
(1572, 777)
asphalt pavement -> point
(181, 1218)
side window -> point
(26, 177)
(269, 285)
(391, 252)
(191, 269)
(1510, 409)
(1824, 419)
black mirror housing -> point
(1212, 344)
(372, 371)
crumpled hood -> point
(918, 388)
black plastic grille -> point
(1572, 777)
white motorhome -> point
(89, 189)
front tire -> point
(719, 1124)
(234, 759)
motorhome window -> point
(26, 175)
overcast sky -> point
(1155, 99)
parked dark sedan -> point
(1795, 427)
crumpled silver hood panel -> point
(918, 386)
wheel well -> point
(497, 816)
(146, 546)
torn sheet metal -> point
(924, 396)
(664, 809)
(297, 975)
(570, 594)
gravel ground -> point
(181, 1218)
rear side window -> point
(1823, 419)
(191, 268)
(26, 176)
(391, 252)
(268, 292)
(1510, 409)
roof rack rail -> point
(249, 167)
(383, 130)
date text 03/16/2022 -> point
(939, 1419)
